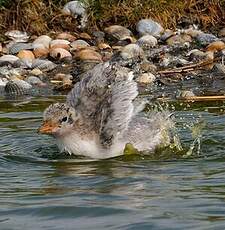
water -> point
(41, 190)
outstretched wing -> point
(104, 100)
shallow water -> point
(41, 190)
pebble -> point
(85, 36)
(119, 33)
(60, 43)
(221, 33)
(21, 83)
(41, 52)
(8, 59)
(219, 69)
(196, 55)
(148, 26)
(60, 53)
(2, 82)
(98, 36)
(147, 41)
(63, 81)
(43, 65)
(33, 80)
(104, 46)
(17, 47)
(42, 41)
(17, 35)
(193, 32)
(76, 8)
(205, 39)
(146, 78)
(78, 44)
(185, 94)
(26, 54)
(13, 89)
(167, 34)
(132, 51)
(36, 72)
(215, 46)
(179, 39)
(146, 66)
(88, 55)
(66, 36)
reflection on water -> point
(41, 189)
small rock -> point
(172, 61)
(85, 36)
(60, 43)
(185, 94)
(79, 44)
(148, 67)
(17, 36)
(41, 52)
(146, 78)
(23, 84)
(76, 8)
(216, 46)
(43, 65)
(26, 54)
(42, 41)
(8, 59)
(64, 82)
(147, 41)
(104, 46)
(132, 51)
(193, 32)
(196, 55)
(99, 36)
(148, 26)
(13, 89)
(36, 72)
(59, 53)
(17, 47)
(66, 36)
(222, 32)
(179, 39)
(9, 71)
(118, 33)
(218, 69)
(2, 82)
(205, 39)
(33, 80)
(88, 55)
(167, 34)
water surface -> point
(40, 189)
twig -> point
(196, 98)
(186, 68)
(203, 98)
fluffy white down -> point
(76, 145)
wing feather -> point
(103, 98)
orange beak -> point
(47, 128)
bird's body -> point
(143, 133)
(99, 118)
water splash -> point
(196, 132)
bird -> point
(102, 114)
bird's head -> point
(58, 120)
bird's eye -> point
(64, 119)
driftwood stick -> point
(196, 98)
(203, 98)
(186, 68)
